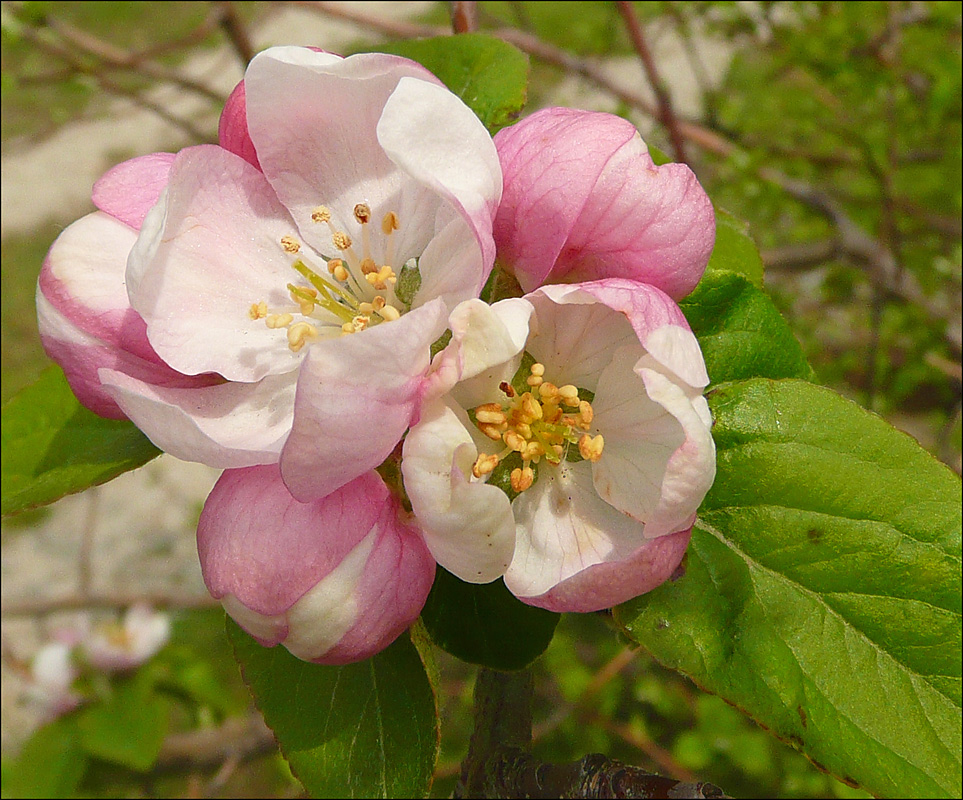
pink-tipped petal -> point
(356, 397)
(584, 201)
(225, 425)
(608, 584)
(205, 255)
(128, 191)
(232, 133)
(335, 580)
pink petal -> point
(584, 201)
(205, 255)
(226, 425)
(232, 133)
(128, 191)
(83, 279)
(313, 119)
(607, 584)
(335, 580)
(357, 395)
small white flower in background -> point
(52, 673)
(116, 646)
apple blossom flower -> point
(584, 201)
(583, 403)
(335, 580)
(113, 646)
(283, 291)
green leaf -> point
(735, 251)
(362, 730)
(51, 763)
(486, 624)
(822, 588)
(741, 332)
(53, 446)
(490, 75)
(129, 728)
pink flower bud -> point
(335, 580)
(584, 201)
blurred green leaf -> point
(734, 250)
(51, 763)
(490, 75)
(53, 446)
(129, 727)
(485, 623)
(741, 332)
(822, 591)
(361, 730)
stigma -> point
(350, 292)
(540, 425)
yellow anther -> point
(548, 392)
(533, 451)
(299, 334)
(366, 308)
(533, 380)
(493, 432)
(569, 395)
(390, 313)
(538, 369)
(514, 440)
(258, 310)
(390, 223)
(381, 278)
(341, 240)
(590, 447)
(333, 264)
(491, 413)
(321, 214)
(362, 213)
(484, 464)
(379, 302)
(340, 272)
(290, 245)
(522, 478)
(356, 325)
(585, 413)
(531, 408)
(368, 266)
(279, 320)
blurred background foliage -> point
(834, 131)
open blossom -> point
(52, 674)
(335, 580)
(584, 201)
(117, 646)
(584, 403)
(265, 300)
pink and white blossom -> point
(231, 300)
(617, 377)
(584, 201)
(335, 580)
(52, 674)
(118, 646)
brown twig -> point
(236, 32)
(464, 16)
(237, 739)
(666, 114)
(77, 602)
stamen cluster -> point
(539, 423)
(362, 293)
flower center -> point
(540, 423)
(356, 293)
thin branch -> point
(78, 602)
(666, 114)
(238, 739)
(464, 16)
(236, 32)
